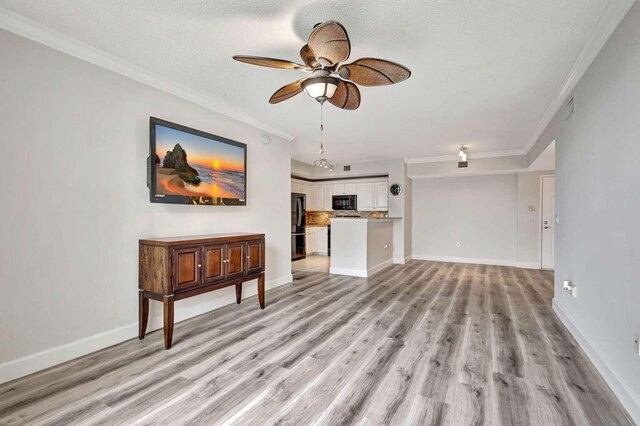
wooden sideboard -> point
(176, 268)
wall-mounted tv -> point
(188, 166)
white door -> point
(338, 189)
(548, 223)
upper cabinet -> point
(317, 202)
(296, 188)
(366, 197)
(373, 196)
(382, 196)
(345, 189)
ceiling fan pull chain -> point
(321, 129)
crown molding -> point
(613, 14)
(471, 156)
(24, 27)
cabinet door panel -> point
(322, 242)
(235, 259)
(366, 196)
(255, 256)
(350, 188)
(213, 264)
(186, 268)
(338, 189)
(328, 198)
(382, 196)
(318, 198)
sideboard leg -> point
(143, 314)
(261, 290)
(239, 293)
(168, 321)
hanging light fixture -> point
(322, 162)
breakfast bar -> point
(360, 247)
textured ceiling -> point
(484, 72)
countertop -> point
(363, 219)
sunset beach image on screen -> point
(194, 166)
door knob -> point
(547, 227)
(199, 265)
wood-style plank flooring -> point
(313, 263)
(425, 343)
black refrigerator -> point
(298, 225)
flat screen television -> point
(187, 166)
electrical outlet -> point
(571, 288)
(574, 292)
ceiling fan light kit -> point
(321, 88)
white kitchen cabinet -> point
(382, 196)
(318, 198)
(311, 241)
(296, 188)
(345, 189)
(366, 197)
(373, 196)
(306, 190)
(322, 240)
(328, 198)
(350, 188)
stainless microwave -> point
(344, 202)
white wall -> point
(528, 227)
(598, 203)
(74, 202)
(479, 212)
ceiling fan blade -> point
(374, 72)
(286, 92)
(347, 96)
(307, 57)
(329, 43)
(269, 62)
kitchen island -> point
(360, 247)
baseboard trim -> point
(29, 364)
(401, 261)
(364, 273)
(348, 271)
(496, 262)
(630, 402)
(528, 265)
(379, 267)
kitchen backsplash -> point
(324, 218)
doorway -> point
(547, 217)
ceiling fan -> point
(327, 47)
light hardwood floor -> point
(313, 263)
(422, 343)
